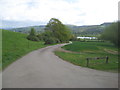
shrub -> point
(40, 37)
(73, 38)
(32, 35)
(32, 38)
(50, 40)
(111, 33)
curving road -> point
(42, 69)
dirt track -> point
(42, 69)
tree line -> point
(111, 33)
(55, 32)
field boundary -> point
(97, 58)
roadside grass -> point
(90, 46)
(89, 50)
(15, 45)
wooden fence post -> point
(87, 62)
(106, 59)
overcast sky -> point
(76, 12)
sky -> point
(74, 12)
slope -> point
(15, 45)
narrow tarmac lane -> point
(43, 69)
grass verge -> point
(15, 45)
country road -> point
(43, 69)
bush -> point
(40, 37)
(50, 40)
(111, 33)
(32, 35)
(73, 38)
(32, 38)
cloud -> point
(78, 12)
(15, 24)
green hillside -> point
(15, 45)
(38, 29)
(91, 30)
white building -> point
(86, 38)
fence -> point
(96, 58)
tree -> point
(32, 33)
(49, 38)
(58, 30)
(32, 36)
(73, 38)
(111, 33)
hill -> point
(15, 45)
(38, 29)
(91, 30)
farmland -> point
(89, 50)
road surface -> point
(43, 69)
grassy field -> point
(15, 45)
(91, 49)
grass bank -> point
(88, 50)
(15, 45)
